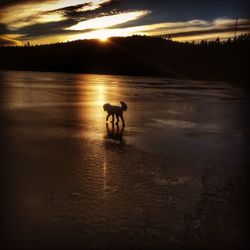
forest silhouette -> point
(137, 55)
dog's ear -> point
(105, 106)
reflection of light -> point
(104, 175)
(100, 100)
(93, 92)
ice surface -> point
(174, 177)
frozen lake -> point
(175, 176)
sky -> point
(50, 21)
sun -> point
(103, 35)
(103, 39)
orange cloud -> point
(24, 14)
(108, 21)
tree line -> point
(137, 55)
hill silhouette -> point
(137, 55)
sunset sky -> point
(48, 21)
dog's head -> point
(105, 106)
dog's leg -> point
(123, 123)
(107, 117)
(117, 119)
(113, 118)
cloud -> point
(218, 27)
(45, 29)
(8, 3)
(35, 20)
(180, 31)
(3, 29)
(43, 21)
(10, 40)
(89, 10)
(32, 12)
(108, 21)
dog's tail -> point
(124, 106)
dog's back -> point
(112, 109)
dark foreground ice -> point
(176, 177)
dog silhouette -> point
(115, 111)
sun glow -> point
(103, 37)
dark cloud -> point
(72, 16)
(3, 29)
(45, 29)
(181, 10)
(207, 32)
(6, 3)
(72, 12)
(169, 10)
(165, 11)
